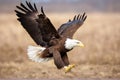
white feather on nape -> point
(34, 53)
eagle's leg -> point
(65, 59)
(57, 58)
(69, 67)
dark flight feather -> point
(22, 5)
(21, 9)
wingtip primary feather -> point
(85, 18)
(22, 5)
(69, 20)
(35, 7)
(31, 7)
(19, 14)
(74, 17)
(78, 16)
(26, 2)
(42, 10)
(22, 9)
(83, 15)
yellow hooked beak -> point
(80, 44)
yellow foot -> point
(69, 67)
(72, 66)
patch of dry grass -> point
(100, 57)
(36, 70)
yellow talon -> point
(72, 65)
(69, 67)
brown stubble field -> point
(100, 58)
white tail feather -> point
(34, 54)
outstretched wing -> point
(68, 29)
(37, 25)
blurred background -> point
(100, 34)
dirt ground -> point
(99, 59)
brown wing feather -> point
(38, 26)
(68, 29)
(47, 28)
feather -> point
(25, 7)
(78, 17)
(21, 9)
(34, 53)
(35, 7)
(68, 29)
(42, 11)
(74, 18)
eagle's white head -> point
(71, 43)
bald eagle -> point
(52, 43)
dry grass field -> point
(99, 59)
